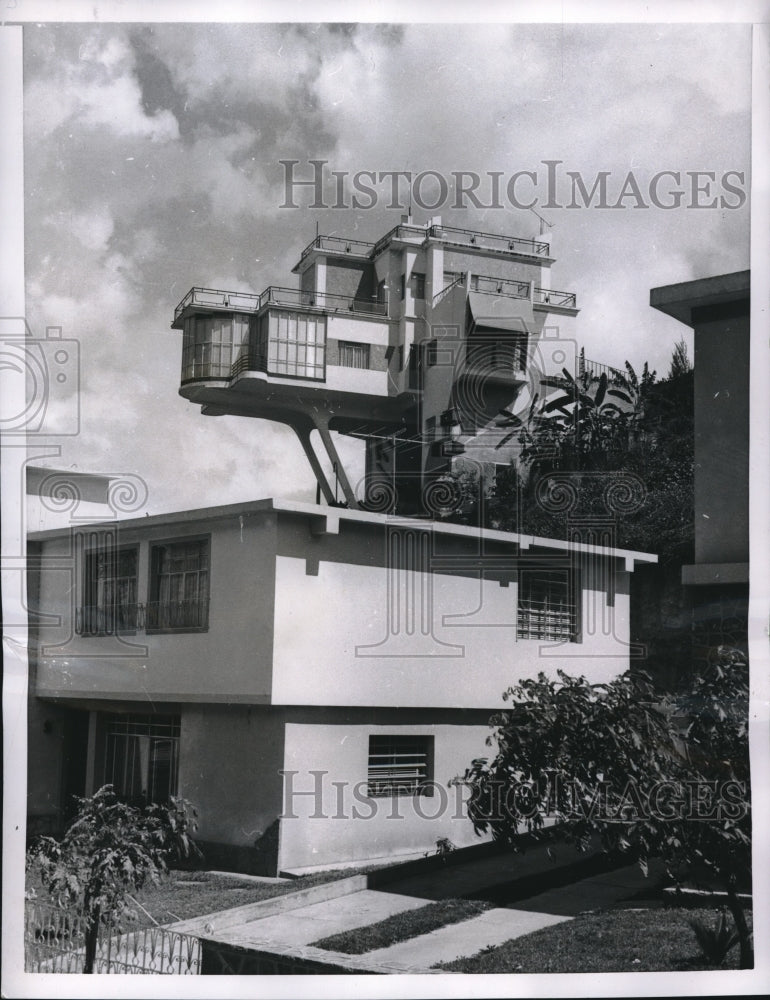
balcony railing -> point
(550, 297)
(489, 241)
(155, 616)
(274, 295)
(338, 245)
(500, 286)
(404, 231)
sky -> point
(152, 163)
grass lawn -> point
(403, 926)
(654, 940)
(183, 895)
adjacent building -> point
(718, 311)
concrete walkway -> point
(493, 927)
(296, 923)
(319, 920)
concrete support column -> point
(303, 430)
(334, 457)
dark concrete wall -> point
(721, 437)
(350, 278)
(230, 757)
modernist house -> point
(415, 343)
(310, 677)
(313, 677)
(717, 309)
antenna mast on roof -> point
(543, 222)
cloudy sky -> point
(152, 164)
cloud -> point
(153, 164)
(98, 89)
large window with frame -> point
(210, 344)
(142, 756)
(400, 765)
(179, 586)
(109, 591)
(296, 345)
(547, 607)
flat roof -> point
(679, 300)
(337, 514)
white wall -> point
(364, 827)
(333, 645)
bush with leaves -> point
(648, 777)
(110, 850)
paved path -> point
(467, 938)
(318, 920)
(301, 927)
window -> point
(142, 756)
(179, 586)
(547, 606)
(400, 765)
(109, 592)
(418, 285)
(403, 285)
(354, 355)
(296, 345)
(503, 354)
(211, 343)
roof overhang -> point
(327, 520)
(683, 299)
(499, 312)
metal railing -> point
(54, 941)
(595, 369)
(403, 231)
(215, 298)
(275, 295)
(99, 620)
(455, 278)
(338, 245)
(489, 241)
(500, 286)
(548, 296)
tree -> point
(648, 777)
(680, 361)
(110, 850)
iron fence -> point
(54, 941)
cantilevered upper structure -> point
(413, 343)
